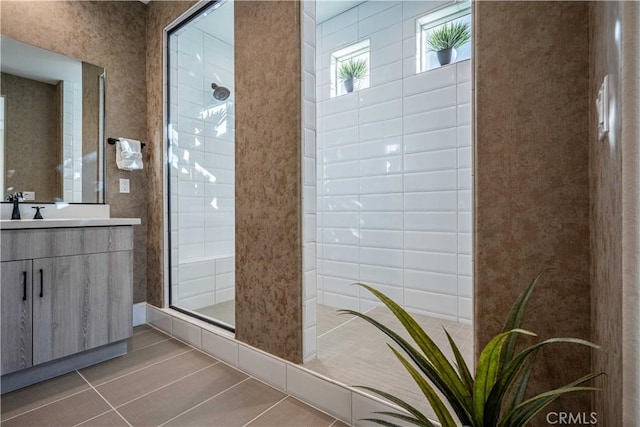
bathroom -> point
(521, 134)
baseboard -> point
(139, 313)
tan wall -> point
(111, 35)
(531, 176)
(268, 181)
(159, 15)
(606, 216)
(32, 147)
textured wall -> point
(111, 35)
(159, 15)
(606, 214)
(32, 147)
(268, 181)
(531, 176)
(630, 141)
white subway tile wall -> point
(202, 167)
(72, 141)
(309, 195)
(393, 170)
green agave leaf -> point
(510, 372)
(489, 369)
(525, 411)
(518, 388)
(463, 369)
(515, 316)
(430, 350)
(401, 403)
(463, 413)
(442, 413)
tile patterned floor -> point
(161, 381)
(353, 352)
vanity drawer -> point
(54, 242)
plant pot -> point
(348, 85)
(447, 56)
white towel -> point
(128, 154)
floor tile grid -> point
(336, 421)
(90, 386)
(204, 402)
(191, 348)
(107, 402)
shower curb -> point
(332, 397)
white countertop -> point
(8, 224)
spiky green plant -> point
(494, 397)
(353, 68)
(453, 34)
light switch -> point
(602, 106)
(124, 185)
(29, 195)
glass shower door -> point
(201, 163)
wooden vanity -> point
(67, 296)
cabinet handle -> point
(24, 286)
(41, 285)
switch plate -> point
(124, 185)
(28, 195)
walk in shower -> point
(200, 67)
(393, 185)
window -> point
(459, 12)
(356, 52)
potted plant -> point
(446, 39)
(352, 71)
(495, 396)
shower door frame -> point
(190, 15)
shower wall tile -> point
(309, 174)
(205, 177)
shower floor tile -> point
(160, 381)
(353, 352)
(223, 311)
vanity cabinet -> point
(73, 292)
(16, 298)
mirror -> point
(51, 125)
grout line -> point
(150, 345)
(166, 385)
(143, 368)
(108, 403)
(93, 418)
(204, 401)
(46, 404)
(266, 410)
(342, 324)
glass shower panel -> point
(201, 163)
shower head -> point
(220, 93)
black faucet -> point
(38, 215)
(15, 199)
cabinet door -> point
(16, 315)
(80, 302)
